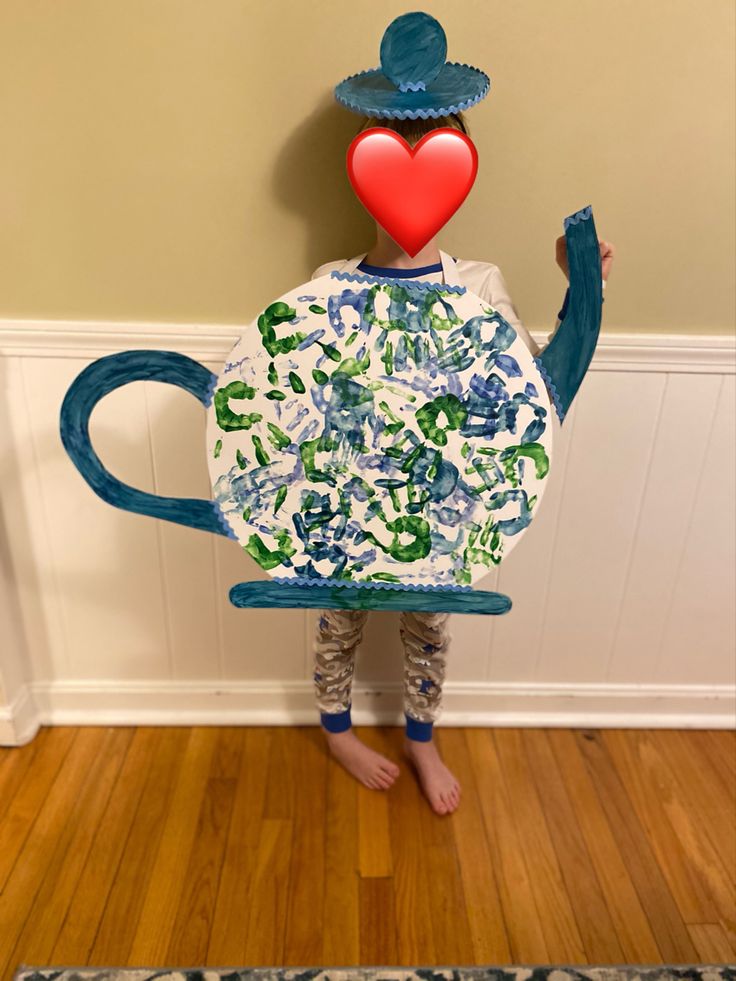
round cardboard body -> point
(373, 430)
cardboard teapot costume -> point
(372, 443)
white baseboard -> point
(472, 704)
(20, 720)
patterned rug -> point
(680, 972)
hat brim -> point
(456, 88)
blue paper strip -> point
(270, 594)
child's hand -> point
(606, 256)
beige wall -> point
(161, 157)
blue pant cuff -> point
(419, 731)
(336, 721)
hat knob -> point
(413, 51)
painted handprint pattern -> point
(373, 430)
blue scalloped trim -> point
(416, 283)
(415, 113)
(551, 386)
(412, 86)
(222, 520)
(349, 584)
(579, 216)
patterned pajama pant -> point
(425, 637)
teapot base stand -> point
(260, 594)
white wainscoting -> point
(623, 589)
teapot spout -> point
(565, 361)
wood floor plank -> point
(723, 750)
(283, 779)
(632, 925)
(526, 937)
(704, 794)
(447, 907)
(227, 760)
(693, 835)
(705, 756)
(712, 944)
(32, 789)
(169, 864)
(116, 930)
(374, 836)
(47, 831)
(51, 903)
(667, 924)
(378, 943)
(264, 944)
(561, 934)
(228, 936)
(195, 912)
(411, 880)
(593, 918)
(15, 763)
(98, 876)
(340, 908)
(306, 886)
(490, 942)
(635, 763)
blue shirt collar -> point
(390, 273)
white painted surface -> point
(623, 591)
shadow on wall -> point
(310, 178)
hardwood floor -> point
(242, 846)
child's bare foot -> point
(365, 764)
(439, 785)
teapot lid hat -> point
(414, 79)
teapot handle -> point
(99, 379)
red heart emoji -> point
(412, 192)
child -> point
(425, 635)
